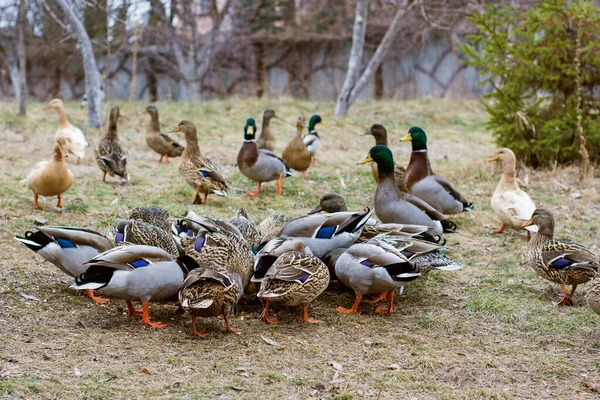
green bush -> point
(529, 60)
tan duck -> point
(110, 156)
(266, 140)
(51, 178)
(510, 204)
(393, 206)
(260, 165)
(160, 142)
(76, 142)
(380, 134)
(561, 261)
(296, 155)
(422, 182)
(198, 171)
(593, 296)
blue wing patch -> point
(561, 263)
(139, 263)
(104, 160)
(303, 278)
(199, 243)
(204, 172)
(119, 237)
(326, 232)
(367, 263)
(65, 243)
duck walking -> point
(76, 142)
(110, 155)
(161, 143)
(561, 261)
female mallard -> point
(51, 178)
(271, 251)
(161, 143)
(68, 248)
(155, 215)
(510, 204)
(260, 165)
(393, 206)
(125, 232)
(76, 142)
(422, 182)
(266, 139)
(323, 232)
(270, 226)
(561, 261)
(380, 134)
(109, 154)
(247, 227)
(296, 155)
(133, 273)
(374, 268)
(593, 295)
(295, 279)
(198, 171)
(312, 141)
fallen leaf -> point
(29, 297)
(239, 389)
(394, 366)
(337, 366)
(76, 371)
(269, 341)
(145, 370)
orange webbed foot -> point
(346, 310)
(97, 299)
(383, 310)
(154, 324)
(308, 320)
(383, 296)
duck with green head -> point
(260, 165)
(393, 206)
(379, 133)
(422, 182)
(312, 141)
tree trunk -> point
(21, 21)
(260, 69)
(350, 91)
(378, 90)
(92, 75)
(13, 71)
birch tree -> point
(21, 22)
(355, 81)
(92, 75)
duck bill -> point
(315, 210)
(365, 160)
(530, 226)
(495, 158)
(406, 138)
(175, 130)
(322, 122)
(367, 132)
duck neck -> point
(112, 132)
(192, 147)
(154, 125)
(299, 131)
(63, 122)
(508, 179)
(265, 130)
(248, 154)
(58, 155)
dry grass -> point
(490, 331)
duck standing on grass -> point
(296, 155)
(161, 143)
(561, 261)
(198, 171)
(76, 142)
(258, 164)
(379, 133)
(422, 182)
(110, 156)
(510, 204)
(266, 139)
(53, 177)
(312, 141)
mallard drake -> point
(312, 141)
(296, 154)
(135, 272)
(51, 178)
(271, 251)
(110, 156)
(155, 215)
(510, 204)
(379, 132)
(125, 232)
(198, 171)
(295, 279)
(375, 268)
(271, 225)
(247, 227)
(68, 248)
(209, 293)
(76, 142)
(393, 206)
(160, 142)
(422, 182)
(561, 261)
(260, 165)
(266, 139)
(593, 296)
(323, 232)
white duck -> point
(76, 140)
(510, 204)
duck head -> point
(542, 221)
(379, 133)
(331, 202)
(250, 129)
(418, 138)
(382, 156)
(314, 120)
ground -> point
(490, 331)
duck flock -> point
(209, 264)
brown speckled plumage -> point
(142, 233)
(246, 227)
(110, 156)
(155, 215)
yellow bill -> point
(365, 160)
(406, 138)
(495, 158)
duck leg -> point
(146, 317)
(161, 157)
(351, 310)
(390, 306)
(379, 298)
(228, 328)
(60, 201)
(35, 201)
(279, 184)
(197, 199)
(166, 158)
(265, 314)
(195, 331)
(78, 160)
(305, 318)
(104, 177)
(566, 297)
(205, 198)
(97, 299)
(303, 174)
(132, 310)
(252, 194)
(499, 230)
(314, 160)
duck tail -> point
(35, 241)
(448, 226)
